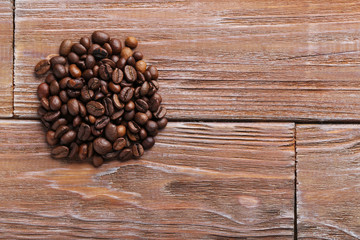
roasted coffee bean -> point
(96, 132)
(115, 88)
(140, 78)
(126, 94)
(135, 137)
(160, 113)
(105, 71)
(54, 88)
(74, 150)
(116, 102)
(73, 93)
(79, 49)
(154, 87)
(104, 87)
(117, 115)
(59, 71)
(86, 42)
(74, 71)
(45, 103)
(95, 108)
(154, 104)
(162, 123)
(45, 123)
(100, 53)
(109, 107)
(63, 82)
(148, 142)
(108, 48)
(86, 94)
(73, 106)
(41, 111)
(121, 63)
(128, 142)
(84, 132)
(144, 88)
(90, 149)
(125, 154)
(57, 60)
(149, 114)
(154, 72)
(60, 152)
(77, 121)
(100, 37)
(63, 96)
(109, 62)
(137, 150)
(126, 53)
(141, 66)
(61, 130)
(73, 57)
(82, 109)
(121, 130)
(87, 74)
(57, 123)
(65, 47)
(141, 105)
(147, 75)
(115, 45)
(133, 127)
(102, 146)
(119, 144)
(94, 83)
(99, 96)
(137, 93)
(90, 62)
(141, 118)
(111, 155)
(92, 48)
(124, 83)
(129, 115)
(83, 151)
(131, 61)
(115, 58)
(117, 76)
(75, 84)
(157, 96)
(92, 119)
(101, 122)
(51, 116)
(131, 42)
(151, 127)
(64, 110)
(97, 161)
(55, 103)
(42, 67)
(49, 78)
(110, 132)
(68, 138)
(143, 134)
(81, 65)
(129, 106)
(138, 55)
(130, 73)
(51, 139)
(43, 90)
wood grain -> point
(200, 181)
(6, 58)
(258, 60)
(328, 169)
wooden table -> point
(263, 99)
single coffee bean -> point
(68, 138)
(116, 101)
(45, 123)
(115, 58)
(124, 83)
(115, 45)
(86, 42)
(102, 146)
(84, 132)
(75, 84)
(117, 76)
(109, 106)
(108, 48)
(79, 49)
(41, 111)
(115, 88)
(141, 105)
(157, 96)
(129, 106)
(121, 63)
(63, 82)
(90, 62)
(131, 61)
(74, 71)
(99, 96)
(87, 74)
(81, 65)
(54, 88)
(109, 62)
(141, 118)
(97, 161)
(162, 123)
(42, 67)
(117, 115)
(96, 132)
(73, 93)
(60, 152)
(129, 115)
(141, 66)
(121, 130)
(138, 55)
(82, 109)
(58, 123)
(160, 113)
(63, 96)
(90, 149)
(119, 144)
(100, 53)
(126, 94)
(83, 151)
(64, 110)
(105, 71)
(151, 127)
(104, 87)
(131, 42)
(59, 71)
(61, 130)
(86, 94)
(73, 57)
(94, 83)
(111, 155)
(154, 72)
(147, 75)
(92, 119)
(55, 103)
(154, 87)
(73, 106)
(148, 142)
(74, 150)
(133, 127)
(49, 78)
(77, 121)
(92, 48)
(45, 103)
(125, 154)
(154, 104)
(130, 73)
(65, 47)
(143, 134)
(144, 88)
(110, 132)
(133, 136)
(51, 139)
(128, 142)
(137, 93)
(149, 114)
(43, 90)
(137, 150)
(100, 37)
(95, 108)
(126, 53)
(101, 122)
(57, 60)
(51, 116)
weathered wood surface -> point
(6, 58)
(328, 170)
(262, 60)
(200, 181)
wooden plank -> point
(200, 181)
(328, 169)
(6, 58)
(259, 59)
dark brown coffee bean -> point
(59, 71)
(49, 78)
(74, 150)
(82, 109)
(95, 108)
(86, 94)
(105, 71)
(126, 53)
(160, 113)
(63, 82)
(96, 132)
(42, 67)
(57, 60)
(131, 61)
(129, 106)
(154, 72)
(121, 130)
(109, 62)
(65, 47)
(41, 111)
(92, 48)
(73, 106)
(90, 150)
(147, 75)
(60, 152)
(45, 103)
(75, 84)
(73, 93)
(162, 123)
(121, 63)
(99, 96)
(110, 132)
(135, 137)
(64, 110)
(149, 114)
(128, 142)
(77, 121)
(68, 138)
(141, 105)
(90, 62)
(45, 123)
(116, 102)
(54, 88)
(111, 155)
(104, 87)
(79, 49)
(125, 154)
(43, 90)
(109, 106)
(51, 139)
(73, 57)
(148, 142)
(141, 66)
(138, 55)
(84, 132)
(133, 127)
(141, 118)
(126, 94)
(115, 88)
(137, 150)
(140, 78)
(143, 134)
(131, 42)
(137, 93)
(108, 48)
(86, 42)
(154, 104)
(130, 73)
(154, 87)
(119, 144)
(74, 71)
(144, 88)
(63, 96)
(100, 53)
(61, 130)
(117, 76)
(151, 127)
(124, 83)
(94, 83)
(87, 74)
(83, 151)
(81, 65)
(51, 116)
(117, 115)
(115, 45)
(100, 37)
(97, 161)
(102, 146)
(55, 103)
(129, 115)
(115, 58)
(101, 122)
(57, 123)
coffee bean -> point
(144, 88)
(87, 74)
(111, 155)
(141, 118)
(42, 67)
(162, 123)
(73, 93)
(99, 96)
(141, 105)
(130, 73)
(137, 93)
(131, 61)
(55, 103)
(73, 106)
(74, 71)
(51, 116)
(128, 116)
(149, 114)
(147, 75)
(115, 45)
(100, 53)
(64, 110)
(100, 37)
(117, 76)
(79, 49)
(141, 66)
(137, 150)
(96, 132)
(95, 108)
(133, 127)
(108, 48)
(65, 47)
(86, 94)
(60, 152)
(82, 109)
(115, 88)
(63, 96)
(140, 78)
(109, 106)
(121, 63)
(75, 84)
(68, 138)
(126, 94)
(54, 88)
(49, 78)
(77, 121)
(124, 83)
(84, 132)
(83, 151)
(116, 102)
(109, 62)
(74, 150)
(102, 146)
(73, 57)
(135, 137)
(138, 55)
(57, 123)
(101, 122)
(86, 42)
(105, 71)
(90, 62)
(115, 58)
(154, 104)
(154, 87)
(125, 154)
(59, 71)
(41, 111)
(117, 115)
(110, 132)
(143, 134)
(97, 161)
(45, 123)
(129, 106)
(148, 142)
(57, 60)
(104, 87)
(151, 127)
(51, 139)
(131, 42)
(121, 130)
(125, 53)
(81, 65)
(160, 113)
(94, 83)
(45, 103)
(61, 130)
(119, 144)
(154, 72)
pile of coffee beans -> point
(99, 101)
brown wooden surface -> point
(200, 181)
(328, 169)
(6, 58)
(265, 60)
